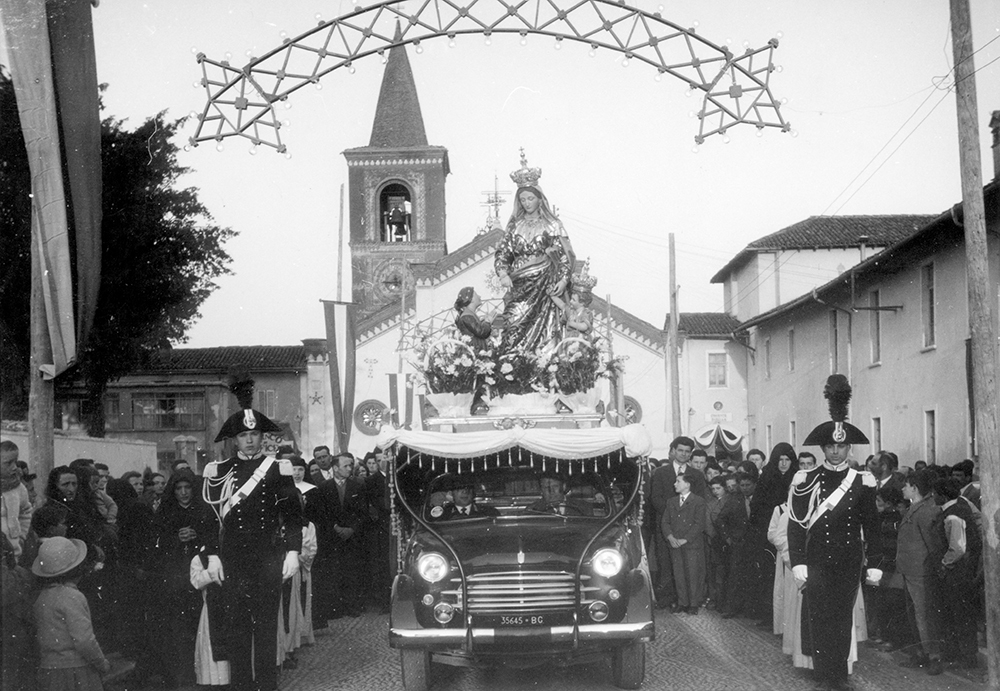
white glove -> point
(801, 574)
(215, 569)
(291, 565)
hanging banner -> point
(54, 70)
(26, 28)
(401, 400)
(342, 347)
(74, 66)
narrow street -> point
(690, 652)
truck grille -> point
(520, 591)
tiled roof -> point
(707, 324)
(934, 234)
(830, 232)
(398, 120)
(256, 359)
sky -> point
(866, 84)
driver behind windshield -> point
(554, 500)
(463, 495)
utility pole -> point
(340, 249)
(985, 388)
(41, 395)
(674, 350)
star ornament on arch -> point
(316, 399)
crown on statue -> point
(525, 176)
(582, 280)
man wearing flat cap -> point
(833, 528)
(256, 547)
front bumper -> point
(458, 638)
(406, 632)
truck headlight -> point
(432, 567)
(607, 562)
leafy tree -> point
(161, 255)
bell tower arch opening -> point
(395, 205)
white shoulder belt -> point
(834, 497)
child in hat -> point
(70, 659)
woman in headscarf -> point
(775, 479)
(772, 491)
(181, 523)
(534, 262)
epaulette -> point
(799, 477)
(285, 467)
(211, 470)
(868, 479)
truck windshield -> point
(537, 489)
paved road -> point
(700, 652)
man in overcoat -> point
(685, 528)
(340, 565)
(662, 490)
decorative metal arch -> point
(241, 100)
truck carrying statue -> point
(518, 508)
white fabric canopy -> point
(554, 443)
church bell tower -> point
(396, 192)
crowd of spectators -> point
(718, 541)
(125, 548)
(121, 556)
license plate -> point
(503, 621)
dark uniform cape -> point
(834, 548)
(254, 536)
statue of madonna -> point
(534, 261)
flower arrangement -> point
(517, 372)
(448, 363)
(575, 366)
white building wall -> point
(900, 389)
(703, 404)
(775, 277)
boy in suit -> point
(684, 526)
